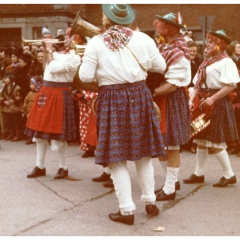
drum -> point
(200, 117)
(158, 111)
(199, 124)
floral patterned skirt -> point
(178, 122)
(127, 124)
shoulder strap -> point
(144, 69)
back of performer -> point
(127, 123)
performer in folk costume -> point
(87, 121)
(52, 113)
(172, 98)
(234, 52)
(127, 124)
(216, 78)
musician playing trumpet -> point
(52, 116)
(216, 78)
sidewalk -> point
(47, 207)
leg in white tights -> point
(202, 155)
(146, 180)
(41, 145)
(171, 179)
(60, 148)
(122, 185)
(223, 159)
(62, 158)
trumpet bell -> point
(84, 28)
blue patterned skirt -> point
(127, 124)
(223, 127)
(68, 127)
(178, 123)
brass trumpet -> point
(84, 28)
(40, 41)
(79, 49)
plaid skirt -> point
(178, 122)
(127, 124)
(223, 127)
(54, 103)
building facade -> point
(27, 20)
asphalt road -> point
(79, 207)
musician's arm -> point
(165, 89)
(224, 91)
(47, 46)
(192, 98)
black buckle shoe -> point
(37, 172)
(89, 153)
(152, 210)
(118, 217)
(194, 179)
(162, 196)
(61, 173)
(108, 184)
(103, 178)
(177, 187)
(224, 182)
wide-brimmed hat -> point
(172, 19)
(119, 13)
(221, 34)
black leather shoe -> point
(152, 210)
(37, 172)
(162, 196)
(103, 178)
(194, 179)
(177, 187)
(89, 153)
(233, 150)
(118, 217)
(224, 182)
(61, 173)
(109, 184)
(29, 141)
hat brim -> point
(128, 20)
(168, 21)
(226, 39)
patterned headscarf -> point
(174, 51)
(207, 62)
(117, 37)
